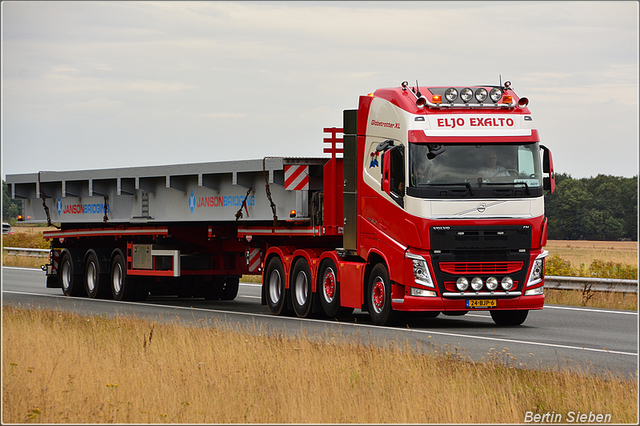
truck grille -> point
(474, 238)
(464, 251)
(480, 267)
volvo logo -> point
(481, 207)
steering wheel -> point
(512, 172)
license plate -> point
(484, 303)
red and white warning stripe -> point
(254, 259)
(55, 257)
(296, 177)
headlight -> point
(481, 95)
(462, 284)
(495, 94)
(537, 271)
(421, 273)
(492, 283)
(466, 94)
(451, 94)
(476, 283)
(507, 283)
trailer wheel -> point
(230, 288)
(213, 290)
(329, 290)
(96, 283)
(70, 282)
(275, 286)
(509, 317)
(123, 287)
(379, 295)
(301, 288)
(142, 285)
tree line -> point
(597, 208)
(10, 208)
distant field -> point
(584, 252)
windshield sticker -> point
(374, 159)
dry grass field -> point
(585, 252)
(66, 368)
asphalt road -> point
(599, 341)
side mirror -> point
(549, 175)
(386, 172)
(393, 173)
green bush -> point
(601, 269)
(557, 266)
(25, 240)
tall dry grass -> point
(592, 299)
(579, 252)
(66, 368)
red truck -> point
(432, 201)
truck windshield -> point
(474, 170)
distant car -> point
(6, 229)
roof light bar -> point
(497, 95)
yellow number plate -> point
(484, 303)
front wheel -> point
(509, 317)
(379, 295)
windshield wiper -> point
(509, 184)
(465, 184)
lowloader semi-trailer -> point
(432, 201)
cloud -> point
(268, 76)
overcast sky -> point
(90, 85)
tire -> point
(53, 281)
(123, 287)
(70, 282)
(142, 288)
(185, 287)
(96, 282)
(230, 288)
(301, 288)
(213, 290)
(275, 286)
(329, 291)
(455, 313)
(379, 295)
(505, 318)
